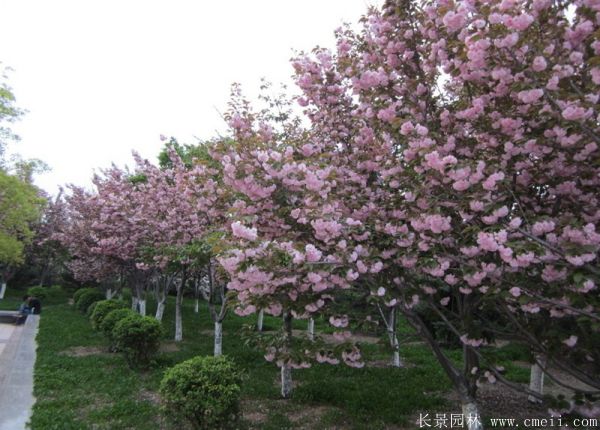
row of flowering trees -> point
(449, 168)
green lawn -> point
(99, 391)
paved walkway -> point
(17, 358)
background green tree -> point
(20, 208)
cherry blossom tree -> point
(450, 149)
(478, 124)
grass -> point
(99, 391)
(12, 300)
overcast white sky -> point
(100, 78)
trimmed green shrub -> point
(87, 298)
(80, 292)
(102, 308)
(138, 338)
(39, 292)
(53, 294)
(204, 391)
(110, 321)
(91, 308)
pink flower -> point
(574, 113)
(451, 279)
(476, 205)
(530, 96)
(461, 185)
(339, 322)
(487, 242)
(490, 377)
(314, 277)
(515, 291)
(312, 253)
(351, 275)
(387, 114)
(421, 130)
(490, 182)
(454, 21)
(595, 72)
(239, 230)
(588, 286)
(376, 268)
(406, 128)
(270, 355)
(539, 64)
(515, 222)
(542, 227)
(571, 341)
(437, 223)
(471, 342)
(580, 260)
(520, 22)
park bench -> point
(12, 317)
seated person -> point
(35, 305)
(24, 310)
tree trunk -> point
(396, 361)
(160, 310)
(311, 329)
(218, 338)
(134, 303)
(536, 380)
(2, 289)
(259, 320)
(108, 293)
(286, 369)
(393, 337)
(142, 306)
(471, 416)
(178, 322)
(286, 381)
(43, 276)
(196, 295)
(459, 380)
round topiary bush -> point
(138, 338)
(80, 292)
(102, 308)
(87, 298)
(110, 321)
(204, 391)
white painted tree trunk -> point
(311, 329)
(286, 370)
(160, 310)
(396, 361)
(218, 339)
(2, 289)
(197, 306)
(260, 319)
(142, 305)
(134, 304)
(108, 293)
(286, 381)
(393, 337)
(178, 317)
(471, 416)
(536, 379)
